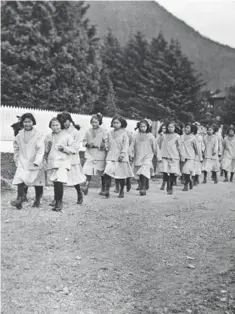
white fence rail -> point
(8, 117)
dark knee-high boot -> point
(143, 185)
(164, 182)
(231, 176)
(205, 177)
(171, 183)
(108, 181)
(186, 182)
(25, 199)
(38, 195)
(128, 184)
(102, 186)
(20, 194)
(122, 185)
(147, 184)
(87, 185)
(117, 187)
(225, 176)
(214, 173)
(79, 194)
(59, 191)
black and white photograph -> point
(117, 141)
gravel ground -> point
(155, 254)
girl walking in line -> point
(189, 151)
(95, 142)
(142, 150)
(117, 159)
(75, 174)
(28, 155)
(128, 180)
(161, 133)
(171, 155)
(211, 159)
(198, 161)
(228, 160)
(59, 148)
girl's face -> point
(67, 124)
(55, 126)
(164, 129)
(188, 129)
(231, 133)
(117, 124)
(210, 131)
(171, 128)
(143, 127)
(28, 124)
(95, 123)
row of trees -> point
(52, 58)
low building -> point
(216, 103)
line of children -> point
(116, 154)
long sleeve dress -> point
(170, 147)
(228, 160)
(28, 156)
(95, 157)
(189, 152)
(211, 158)
(75, 175)
(59, 162)
(199, 157)
(118, 145)
(143, 148)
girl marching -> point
(28, 155)
(95, 143)
(198, 161)
(189, 151)
(142, 150)
(211, 158)
(117, 160)
(171, 155)
(161, 133)
(75, 175)
(228, 160)
(59, 148)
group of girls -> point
(116, 154)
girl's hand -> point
(60, 148)
(120, 158)
(35, 165)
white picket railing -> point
(8, 117)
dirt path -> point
(122, 256)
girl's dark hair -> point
(137, 126)
(161, 127)
(64, 116)
(98, 117)
(193, 127)
(213, 127)
(171, 122)
(27, 115)
(147, 124)
(230, 128)
(121, 120)
(56, 119)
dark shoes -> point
(17, 203)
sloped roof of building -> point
(222, 94)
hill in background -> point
(214, 61)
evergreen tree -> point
(228, 112)
(49, 56)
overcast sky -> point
(212, 18)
